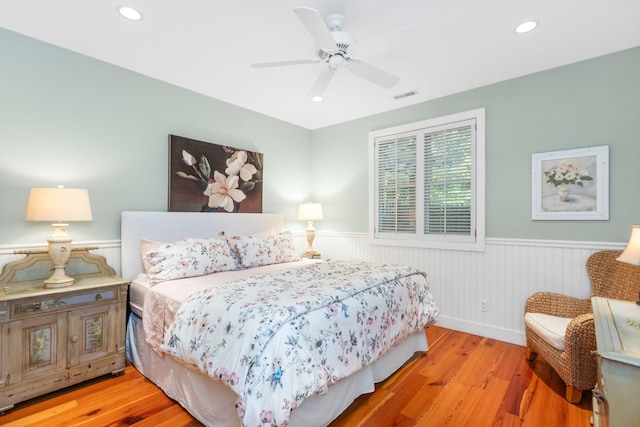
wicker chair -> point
(576, 364)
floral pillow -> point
(255, 251)
(189, 258)
(233, 243)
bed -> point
(189, 368)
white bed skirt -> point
(212, 402)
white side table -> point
(617, 325)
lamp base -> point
(311, 234)
(311, 254)
(58, 280)
(59, 251)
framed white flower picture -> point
(571, 184)
(206, 177)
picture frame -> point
(570, 184)
(208, 177)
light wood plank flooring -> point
(464, 380)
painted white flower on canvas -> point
(228, 179)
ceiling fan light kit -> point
(336, 60)
(334, 49)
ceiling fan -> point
(334, 49)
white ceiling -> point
(207, 46)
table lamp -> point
(631, 253)
(310, 212)
(59, 205)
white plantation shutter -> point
(426, 183)
(448, 179)
(396, 186)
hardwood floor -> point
(467, 380)
(464, 380)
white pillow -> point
(189, 258)
(255, 251)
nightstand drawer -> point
(51, 303)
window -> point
(428, 183)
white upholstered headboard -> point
(172, 226)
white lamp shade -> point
(58, 204)
(631, 254)
(310, 212)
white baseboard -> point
(513, 337)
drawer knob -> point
(36, 306)
(74, 338)
(98, 297)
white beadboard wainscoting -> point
(504, 275)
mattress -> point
(141, 284)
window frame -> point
(475, 242)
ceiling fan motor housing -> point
(343, 40)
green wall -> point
(72, 120)
(595, 102)
(68, 119)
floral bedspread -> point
(278, 338)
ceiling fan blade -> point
(317, 91)
(392, 40)
(285, 63)
(373, 74)
(316, 26)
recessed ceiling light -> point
(316, 99)
(129, 13)
(525, 27)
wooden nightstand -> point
(53, 338)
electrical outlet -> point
(484, 305)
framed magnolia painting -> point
(571, 184)
(206, 177)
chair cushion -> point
(549, 328)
